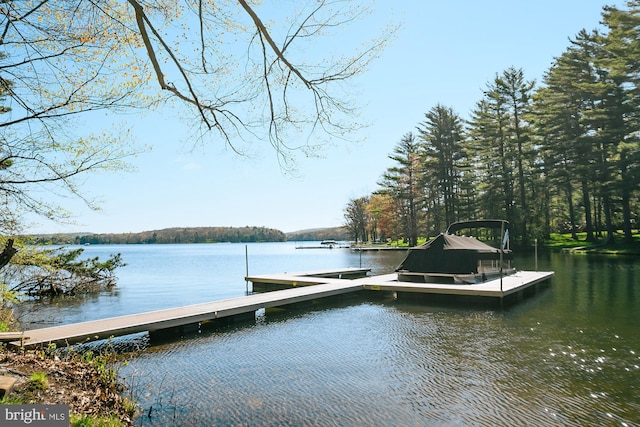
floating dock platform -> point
(497, 288)
(299, 287)
(271, 282)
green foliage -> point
(7, 295)
(36, 271)
(51, 348)
(172, 235)
(405, 244)
(7, 298)
(403, 182)
(105, 365)
(38, 381)
(113, 55)
(566, 242)
(11, 399)
(335, 233)
(442, 154)
(129, 406)
(84, 420)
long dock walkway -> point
(181, 316)
(303, 287)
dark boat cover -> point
(448, 253)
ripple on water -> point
(371, 364)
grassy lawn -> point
(564, 242)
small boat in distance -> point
(329, 243)
(468, 252)
(326, 244)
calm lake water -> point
(569, 355)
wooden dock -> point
(182, 316)
(271, 282)
(496, 288)
(304, 286)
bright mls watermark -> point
(34, 415)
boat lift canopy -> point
(449, 254)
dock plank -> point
(12, 336)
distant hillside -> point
(195, 235)
(170, 235)
(335, 233)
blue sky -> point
(445, 52)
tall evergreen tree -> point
(600, 95)
(402, 182)
(565, 146)
(516, 93)
(622, 61)
(500, 136)
(565, 155)
(488, 138)
(441, 137)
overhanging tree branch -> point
(265, 33)
(143, 21)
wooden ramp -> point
(181, 316)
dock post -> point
(246, 266)
(536, 253)
(503, 237)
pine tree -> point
(488, 139)
(402, 183)
(516, 94)
(441, 135)
(566, 148)
(622, 61)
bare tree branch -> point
(65, 58)
(264, 33)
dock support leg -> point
(169, 334)
(223, 322)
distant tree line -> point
(562, 157)
(332, 233)
(172, 235)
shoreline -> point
(87, 383)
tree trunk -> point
(572, 215)
(626, 206)
(7, 253)
(609, 240)
(586, 201)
